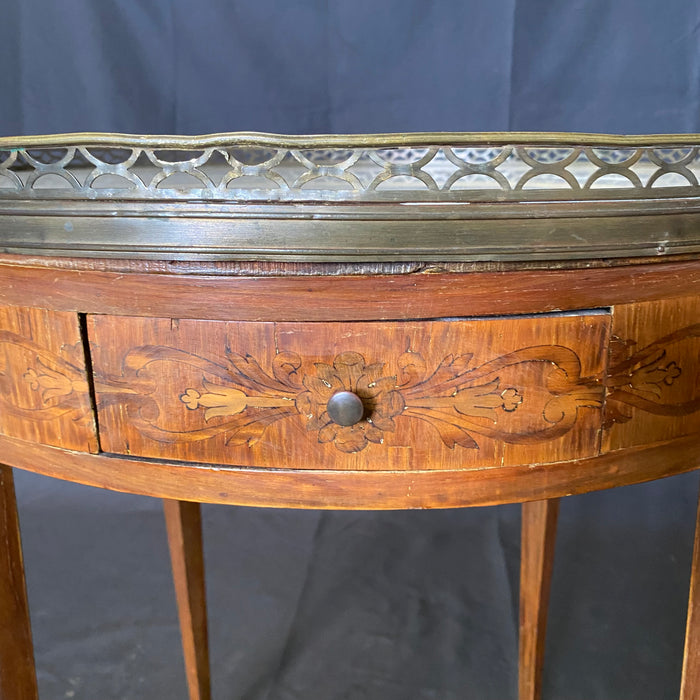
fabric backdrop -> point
(354, 606)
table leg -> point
(690, 680)
(17, 673)
(539, 528)
(184, 524)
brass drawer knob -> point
(345, 408)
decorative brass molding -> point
(385, 167)
(244, 196)
(322, 141)
(428, 174)
(456, 399)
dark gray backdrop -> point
(351, 606)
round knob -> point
(345, 408)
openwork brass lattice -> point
(430, 166)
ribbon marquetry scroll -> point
(456, 399)
(172, 400)
(258, 393)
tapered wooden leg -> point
(539, 529)
(184, 524)
(17, 674)
(690, 680)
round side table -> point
(346, 322)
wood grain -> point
(438, 395)
(281, 488)
(44, 391)
(690, 679)
(17, 674)
(654, 374)
(184, 524)
(538, 536)
(377, 297)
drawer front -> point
(436, 394)
(44, 392)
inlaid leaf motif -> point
(51, 383)
(457, 398)
(642, 379)
(218, 401)
(285, 366)
(482, 400)
(60, 385)
(412, 368)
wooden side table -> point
(400, 321)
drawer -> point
(444, 394)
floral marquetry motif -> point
(645, 377)
(44, 389)
(653, 382)
(349, 372)
(451, 398)
(261, 395)
(383, 397)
